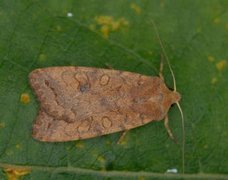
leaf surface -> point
(117, 34)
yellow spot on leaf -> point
(15, 174)
(107, 24)
(124, 22)
(136, 8)
(216, 20)
(25, 98)
(214, 80)
(105, 31)
(141, 178)
(104, 20)
(123, 142)
(221, 65)
(210, 58)
(42, 57)
(18, 146)
(115, 25)
(102, 161)
(2, 125)
(58, 28)
(79, 145)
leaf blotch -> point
(221, 65)
(136, 8)
(15, 174)
(25, 98)
(108, 24)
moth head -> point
(175, 96)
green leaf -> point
(116, 33)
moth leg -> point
(161, 68)
(122, 137)
(166, 123)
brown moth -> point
(85, 102)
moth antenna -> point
(164, 52)
(183, 136)
(175, 89)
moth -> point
(85, 102)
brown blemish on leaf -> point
(25, 98)
(136, 8)
(16, 174)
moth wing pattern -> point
(84, 102)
